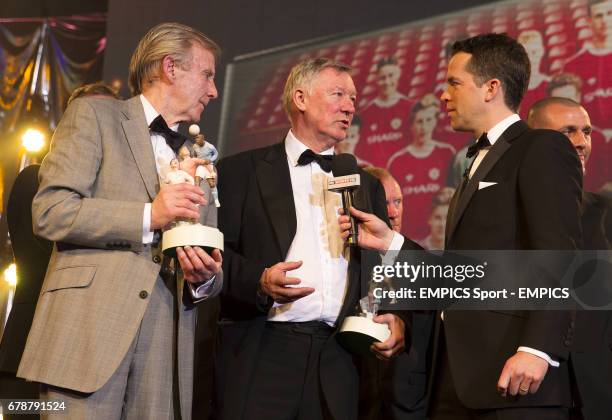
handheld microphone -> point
(346, 179)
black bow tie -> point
(173, 139)
(474, 148)
(324, 161)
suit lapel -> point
(138, 137)
(274, 181)
(460, 202)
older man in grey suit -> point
(113, 330)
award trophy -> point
(184, 232)
(357, 333)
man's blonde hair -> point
(166, 39)
(302, 75)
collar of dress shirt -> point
(494, 133)
(151, 113)
(294, 148)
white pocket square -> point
(482, 184)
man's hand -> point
(373, 232)
(197, 265)
(395, 343)
(275, 283)
(523, 373)
(176, 201)
(190, 165)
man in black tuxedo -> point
(290, 279)
(523, 191)
(592, 352)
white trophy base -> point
(358, 333)
(191, 235)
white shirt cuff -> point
(396, 242)
(203, 290)
(539, 353)
(147, 234)
(388, 258)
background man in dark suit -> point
(290, 281)
(32, 257)
(396, 389)
(523, 191)
(592, 354)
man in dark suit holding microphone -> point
(523, 191)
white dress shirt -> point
(163, 155)
(317, 243)
(493, 135)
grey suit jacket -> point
(94, 183)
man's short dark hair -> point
(564, 79)
(594, 2)
(386, 61)
(497, 56)
(429, 100)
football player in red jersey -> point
(384, 119)
(421, 167)
(534, 45)
(593, 63)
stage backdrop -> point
(402, 69)
(42, 60)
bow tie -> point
(173, 139)
(474, 148)
(324, 161)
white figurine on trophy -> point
(191, 232)
(206, 151)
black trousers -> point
(286, 383)
(14, 388)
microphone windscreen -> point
(344, 164)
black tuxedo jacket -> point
(32, 258)
(258, 219)
(535, 204)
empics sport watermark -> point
(506, 280)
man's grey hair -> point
(302, 75)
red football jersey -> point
(420, 178)
(595, 70)
(384, 130)
(531, 97)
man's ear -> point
(299, 99)
(168, 68)
(493, 89)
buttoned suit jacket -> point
(534, 204)
(94, 182)
(259, 223)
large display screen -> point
(400, 73)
